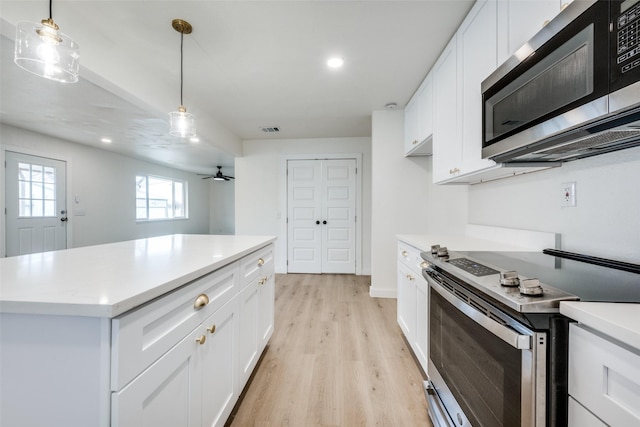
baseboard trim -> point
(383, 293)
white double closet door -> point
(321, 216)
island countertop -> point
(108, 280)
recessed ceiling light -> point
(105, 140)
(335, 62)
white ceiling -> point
(247, 64)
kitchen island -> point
(157, 331)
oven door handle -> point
(439, 415)
(508, 335)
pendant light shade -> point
(181, 123)
(44, 50)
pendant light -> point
(42, 49)
(181, 123)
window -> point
(36, 191)
(160, 198)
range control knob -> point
(509, 278)
(530, 287)
(443, 252)
(434, 249)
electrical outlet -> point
(568, 194)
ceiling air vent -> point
(270, 129)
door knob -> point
(324, 222)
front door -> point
(321, 216)
(36, 218)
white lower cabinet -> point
(579, 416)
(197, 378)
(604, 378)
(191, 385)
(413, 302)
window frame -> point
(174, 206)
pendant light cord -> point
(181, 61)
(51, 9)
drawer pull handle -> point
(211, 329)
(201, 301)
(260, 262)
(405, 253)
(201, 340)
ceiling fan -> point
(219, 176)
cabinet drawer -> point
(256, 264)
(580, 417)
(411, 257)
(141, 336)
(604, 377)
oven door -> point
(485, 369)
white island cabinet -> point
(150, 332)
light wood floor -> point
(336, 358)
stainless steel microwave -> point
(572, 91)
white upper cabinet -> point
(477, 58)
(491, 29)
(519, 20)
(447, 153)
(418, 120)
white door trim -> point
(283, 200)
(3, 202)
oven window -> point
(482, 372)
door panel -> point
(321, 216)
(36, 204)
(303, 201)
(339, 209)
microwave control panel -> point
(626, 33)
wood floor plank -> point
(336, 359)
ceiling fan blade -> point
(207, 177)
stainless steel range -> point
(497, 343)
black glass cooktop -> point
(590, 282)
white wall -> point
(104, 184)
(222, 206)
(261, 187)
(404, 200)
(605, 222)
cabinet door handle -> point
(201, 340)
(201, 301)
(405, 253)
(262, 281)
(424, 264)
(211, 329)
(410, 277)
(260, 262)
(415, 141)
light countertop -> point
(620, 321)
(458, 243)
(108, 280)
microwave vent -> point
(594, 142)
